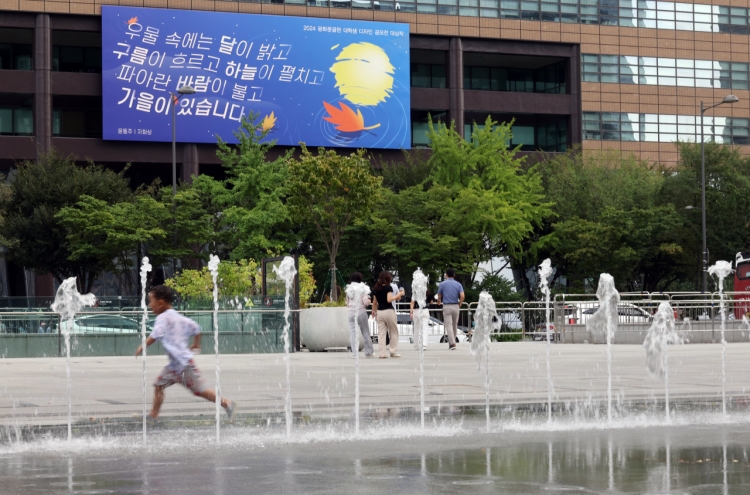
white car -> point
(435, 330)
(627, 313)
(104, 323)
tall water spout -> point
(355, 291)
(145, 268)
(604, 322)
(662, 332)
(545, 270)
(487, 320)
(213, 267)
(419, 293)
(68, 302)
(720, 270)
(286, 271)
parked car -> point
(540, 332)
(627, 313)
(105, 323)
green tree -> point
(331, 191)
(610, 216)
(148, 224)
(240, 278)
(477, 203)
(727, 203)
(250, 215)
(36, 237)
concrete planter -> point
(324, 328)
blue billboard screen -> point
(323, 82)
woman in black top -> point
(385, 314)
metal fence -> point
(694, 312)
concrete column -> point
(190, 163)
(42, 84)
(573, 82)
(456, 83)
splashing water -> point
(145, 268)
(662, 332)
(487, 320)
(68, 302)
(545, 270)
(286, 271)
(355, 291)
(213, 267)
(604, 323)
(720, 270)
(419, 293)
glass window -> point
(523, 135)
(23, 121)
(15, 48)
(6, 121)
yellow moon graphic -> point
(364, 74)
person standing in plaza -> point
(173, 331)
(451, 296)
(385, 314)
(358, 316)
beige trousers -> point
(387, 323)
(450, 319)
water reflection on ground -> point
(689, 458)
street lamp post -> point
(727, 99)
(184, 90)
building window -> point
(427, 76)
(16, 49)
(429, 69)
(630, 13)
(76, 116)
(420, 125)
(16, 114)
(548, 79)
(76, 51)
(655, 128)
(664, 71)
(550, 136)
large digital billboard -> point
(324, 82)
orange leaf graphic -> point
(345, 120)
(132, 20)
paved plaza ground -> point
(33, 391)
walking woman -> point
(358, 316)
(383, 311)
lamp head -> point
(188, 90)
(730, 99)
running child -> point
(173, 331)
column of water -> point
(663, 331)
(286, 271)
(356, 291)
(604, 322)
(545, 270)
(68, 302)
(419, 293)
(720, 270)
(487, 319)
(213, 267)
(145, 268)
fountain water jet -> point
(545, 270)
(661, 333)
(213, 267)
(355, 291)
(487, 320)
(68, 302)
(287, 271)
(145, 268)
(419, 293)
(604, 322)
(720, 270)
